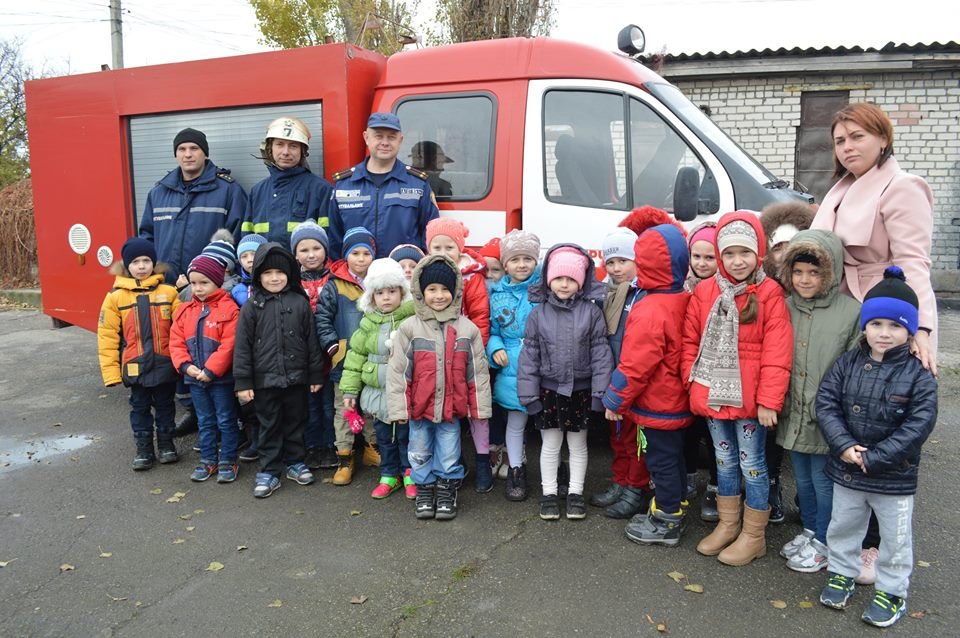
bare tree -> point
(14, 153)
(468, 20)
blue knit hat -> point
(309, 230)
(406, 251)
(892, 299)
(221, 249)
(250, 243)
(137, 247)
(358, 237)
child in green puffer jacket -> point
(385, 302)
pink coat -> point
(883, 218)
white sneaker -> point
(812, 558)
(799, 542)
(868, 572)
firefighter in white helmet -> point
(292, 193)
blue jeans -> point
(393, 444)
(319, 430)
(739, 445)
(160, 398)
(434, 451)
(815, 491)
(216, 409)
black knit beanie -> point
(438, 272)
(191, 135)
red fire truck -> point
(553, 136)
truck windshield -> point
(704, 127)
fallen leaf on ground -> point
(66, 567)
(676, 576)
(138, 604)
(697, 589)
(215, 566)
(156, 491)
(662, 628)
(81, 517)
(179, 541)
(806, 604)
(176, 497)
(198, 511)
(102, 396)
(649, 619)
(355, 513)
(104, 554)
(4, 563)
(358, 600)
(190, 528)
(917, 615)
(778, 604)
(327, 480)
(240, 548)
(117, 599)
(276, 603)
(186, 517)
(16, 515)
(922, 563)
(298, 512)
(56, 425)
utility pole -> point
(116, 34)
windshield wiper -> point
(777, 183)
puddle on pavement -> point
(15, 454)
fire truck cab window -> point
(592, 159)
(450, 137)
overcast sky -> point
(73, 36)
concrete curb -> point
(27, 296)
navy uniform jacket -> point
(181, 218)
(285, 199)
(396, 213)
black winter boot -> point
(145, 457)
(425, 500)
(632, 500)
(483, 481)
(516, 489)
(607, 497)
(776, 502)
(166, 450)
(446, 499)
(187, 424)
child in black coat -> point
(278, 356)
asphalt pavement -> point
(90, 548)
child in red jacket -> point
(201, 346)
(446, 236)
(737, 357)
(646, 387)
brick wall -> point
(763, 114)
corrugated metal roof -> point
(890, 47)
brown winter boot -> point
(751, 543)
(726, 530)
(371, 455)
(344, 473)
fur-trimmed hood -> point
(383, 273)
(827, 248)
(796, 214)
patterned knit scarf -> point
(718, 361)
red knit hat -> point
(209, 268)
(491, 249)
(448, 227)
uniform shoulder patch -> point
(416, 172)
(345, 173)
(225, 176)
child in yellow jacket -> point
(133, 339)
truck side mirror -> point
(686, 194)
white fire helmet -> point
(288, 128)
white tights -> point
(550, 459)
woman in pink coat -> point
(882, 215)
